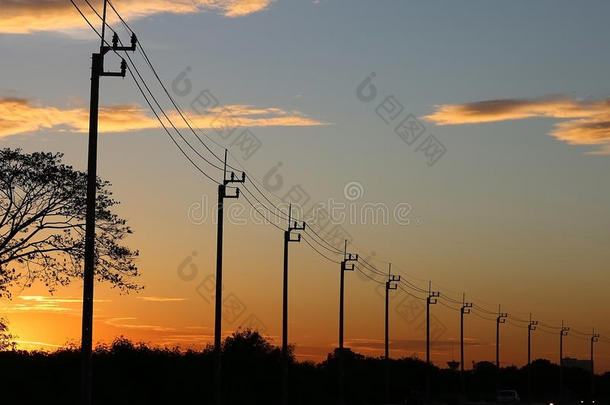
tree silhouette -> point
(42, 225)
(141, 374)
(6, 339)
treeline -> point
(128, 373)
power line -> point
(320, 253)
(400, 286)
(260, 213)
(475, 313)
(482, 309)
(199, 169)
(369, 277)
(178, 109)
(155, 101)
(273, 212)
(449, 306)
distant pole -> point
(431, 300)
(530, 327)
(345, 266)
(222, 194)
(389, 285)
(563, 332)
(287, 239)
(499, 320)
(594, 339)
(97, 71)
(465, 309)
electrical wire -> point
(474, 312)
(146, 99)
(260, 213)
(369, 277)
(321, 244)
(148, 90)
(159, 119)
(482, 309)
(410, 293)
(178, 109)
(330, 247)
(449, 306)
(183, 115)
(318, 252)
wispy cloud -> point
(47, 299)
(188, 339)
(127, 323)
(18, 116)
(161, 299)
(30, 344)
(27, 16)
(200, 327)
(585, 122)
(406, 344)
(39, 303)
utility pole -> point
(531, 326)
(345, 266)
(222, 194)
(431, 300)
(499, 320)
(563, 332)
(389, 285)
(97, 71)
(287, 239)
(464, 310)
(594, 339)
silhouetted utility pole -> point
(222, 194)
(464, 310)
(97, 71)
(345, 266)
(499, 320)
(594, 339)
(563, 332)
(287, 239)
(389, 285)
(531, 326)
(431, 300)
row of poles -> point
(291, 235)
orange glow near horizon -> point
(44, 322)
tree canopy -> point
(42, 225)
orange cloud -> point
(588, 122)
(39, 303)
(125, 323)
(35, 345)
(161, 299)
(18, 116)
(27, 16)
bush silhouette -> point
(136, 373)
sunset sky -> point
(515, 210)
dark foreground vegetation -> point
(127, 373)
